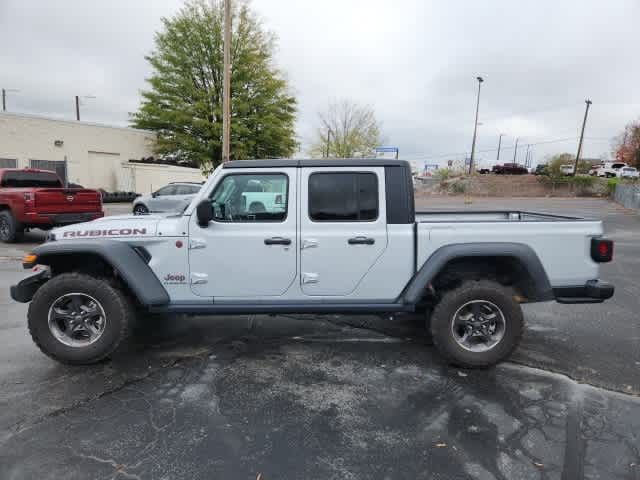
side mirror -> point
(204, 212)
(154, 194)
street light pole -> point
(584, 123)
(226, 83)
(515, 150)
(499, 143)
(475, 126)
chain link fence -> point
(628, 196)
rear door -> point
(343, 227)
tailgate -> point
(67, 200)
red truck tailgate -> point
(67, 200)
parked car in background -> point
(610, 169)
(568, 169)
(541, 169)
(170, 198)
(628, 172)
(594, 170)
(509, 169)
(31, 198)
(484, 171)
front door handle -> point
(277, 241)
(361, 241)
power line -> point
(421, 156)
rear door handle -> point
(277, 241)
(361, 241)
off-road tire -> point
(452, 300)
(118, 308)
(12, 229)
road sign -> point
(387, 152)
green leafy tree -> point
(347, 129)
(556, 161)
(184, 101)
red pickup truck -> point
(32, 198)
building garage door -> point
(54, 165)
(8, 163)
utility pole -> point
(328, 140)
(584, 124)
(226, 83)
(499, 143)
(475, 127)
(78, 104)
(526, 157)
(4, 97)
(515, 150)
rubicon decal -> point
(113, 232)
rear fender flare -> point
(540, 285)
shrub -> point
(612, 183)
(458, 187)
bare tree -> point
(347, 129)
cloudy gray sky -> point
(414, 61)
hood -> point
(118, 226)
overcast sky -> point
(414, 61)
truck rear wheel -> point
(10, 229)
(477, 324)
(78, 319)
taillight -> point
(601, 250)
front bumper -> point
(594, 291)
(25, 289)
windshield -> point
(26, 179)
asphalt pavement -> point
(335, 396)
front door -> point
(343, 228)
(249, 249)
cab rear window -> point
(22, 179)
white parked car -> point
(610, 169)
(567, 169)
(628, 172)
(171, 198)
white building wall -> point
(97, 155)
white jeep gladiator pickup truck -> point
(343, 237)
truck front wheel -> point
(78, 319)
(10, 229)
(477, 324)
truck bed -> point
(562, 243)
(489, 216)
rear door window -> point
(343, 197)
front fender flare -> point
(128, 264)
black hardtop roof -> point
(319, 162)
